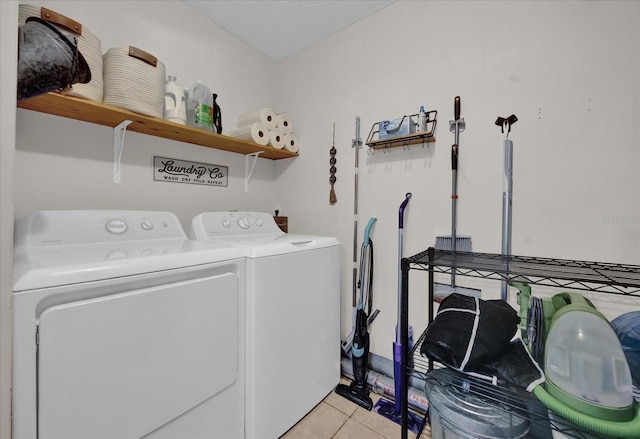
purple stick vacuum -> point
(383, 407)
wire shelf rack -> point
(598, 277)
(562, 273)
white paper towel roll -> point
(276, 138)
(256, 132)
(283, 121)
(265, 115)
(291, 142)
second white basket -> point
(134, 80)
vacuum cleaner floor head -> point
(355, 394)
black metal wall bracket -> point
(503, 122)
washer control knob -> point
(116, 226)
(146, 225)
(226, 223)
(259, 222)
(243, 223)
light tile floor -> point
(338, 418)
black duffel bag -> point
(469, 331)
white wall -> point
(570, 71)
(66, 164)
(8, 54)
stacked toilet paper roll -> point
(266, 127)
(276, 138)
(264, 115)
(256, 132)
(291, 142)
(283, 121)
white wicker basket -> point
(134, 79)
(88, 44)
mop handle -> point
(402, 206)
(454, 180)
(507, 207)
(400, 248)
(454, 163)
(367, 231)
(505, 124)
(356, 143)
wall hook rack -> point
(405, 141)
(248, 172)
(118, 145)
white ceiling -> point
(279, 28)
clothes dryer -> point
(125, 328)
(292, 316)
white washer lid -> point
(255, 232)
(269, 245)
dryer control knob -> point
(259, 222)
(243, 223)
(146, 225)
(116, 226)
(226, 224)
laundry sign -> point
(182, 171)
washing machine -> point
(292, 316)
(125, 328)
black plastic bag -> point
(469, 331)
(515, 366)
(47, 60)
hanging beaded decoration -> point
(332, 169)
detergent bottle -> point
(200, 107)
(422, 120)
(174, 102)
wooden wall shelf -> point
(101, 114)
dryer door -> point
(121, 366)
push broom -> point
(454, 242)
